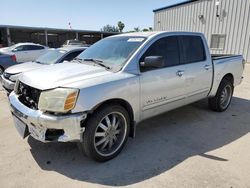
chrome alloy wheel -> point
(226, 96)
(110, 133)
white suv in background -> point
(25, 51)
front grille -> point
(29, 96)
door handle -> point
(207, 67)
(180, 73)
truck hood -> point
(24, 67)
(61, 74)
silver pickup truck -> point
(99, 99)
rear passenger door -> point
(199, 70)
(163, 88)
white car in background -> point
(25, 51)
(75, 42)
(53, 56)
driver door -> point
(162, 89)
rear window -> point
(192, 49)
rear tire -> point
(106, 133)
(221, 101)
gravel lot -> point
(188, 147)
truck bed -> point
(223, 56)
(224, 64)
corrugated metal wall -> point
(234, 22)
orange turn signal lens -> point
(70, 101)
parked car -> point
(53, 56)
(6, 61)
(25, 52)
(74, 42)
(118, 82)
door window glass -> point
(166, 47)
(33, 47)
(192, 49)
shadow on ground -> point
(161, 143)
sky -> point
(82, 14)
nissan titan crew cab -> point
(99, 98)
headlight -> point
(14, 77)
(58, 100)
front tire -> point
(1, 70)
(106, 132)
(221, 101)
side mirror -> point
(153, 61)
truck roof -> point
(153, 33)
(141, 34)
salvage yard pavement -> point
(188, 147)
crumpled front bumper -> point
(46, 127)
(7, 84)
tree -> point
(110, 28)
(137, 29)
(120, 26)
(148, 29)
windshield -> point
(12, 47)
(51, 57)
(114, 51)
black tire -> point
(215, 102)
(1, 70)
(81, 148)
(90, 140)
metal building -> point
(51, 37)
(225, 23)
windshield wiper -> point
(78, 59)
(98, 62)
(37, 62)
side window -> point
(166, 47)
(39, 47)
(192, 49)
(19, 48)
(71, 56)
(33, 47)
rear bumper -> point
(7, 84)
(46, 127)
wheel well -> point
(121, 102)
(1, 67)
(125, 105)
(230, 77)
